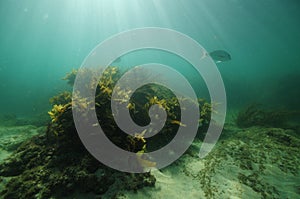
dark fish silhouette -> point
(220, 56)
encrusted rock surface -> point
(41, 168)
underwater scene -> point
(161, 99)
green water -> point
(41, 41)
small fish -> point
(220, 56)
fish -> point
(220, 56)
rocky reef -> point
(257, 155)
(255, 115)
(55, 164)
(39, 169)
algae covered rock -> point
(39, 169)
(255, 115)
(142, 99)
(56, 164)
(13, 136)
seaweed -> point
(62, 98)
(38, 169)
(255, 115)
(139, 104)
(70, 77)
(56, 164)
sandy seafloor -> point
(248, 163)
(256, 162)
